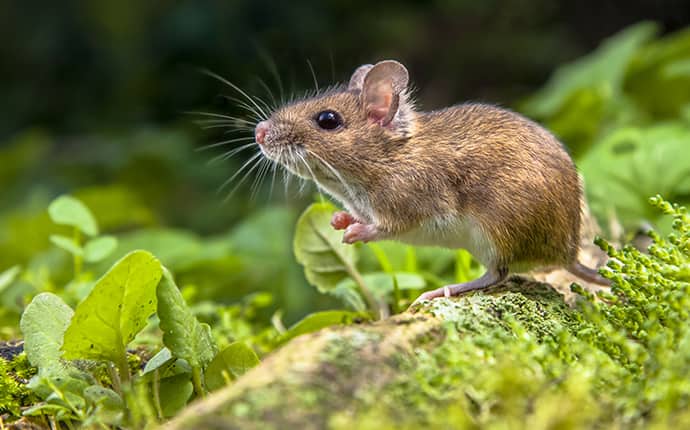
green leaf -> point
(116, 309)
(319, 320)
(319, 248)
(163, 357)
(174, 393)
(602, 70)
(99, 248)
(183, 334)
(66, 210)
(43, 325)
(630, 164)
(109, 406)
(8, 276)
(67, 243)
(234, 361)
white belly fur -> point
(454, 233)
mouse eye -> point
(328, 120)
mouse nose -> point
(260, 131)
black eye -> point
(329, 120)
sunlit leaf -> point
(116, 309)
(99, 248)
(43, 325)
(67, 210)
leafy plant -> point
(71, 349)
(391, 274)
(623, 112)
(86, 369)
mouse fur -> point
(473, 176)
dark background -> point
(78, 66)
(93, 96)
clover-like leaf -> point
(67, 243)
(99, 248)
(66, 210)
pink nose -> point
(260, 131)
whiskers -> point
(241, 141)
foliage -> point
(619, 360)
(623, 111)
(85, 371)
(389, 273)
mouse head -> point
(331, 137)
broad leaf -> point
(43, 325)
(632, 163)
(233, 361)
(602, 70)
(99, 248)
(319, 248)
(67, 210)
(183, 334)
(116, 309)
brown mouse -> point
(470, 176)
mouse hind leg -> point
(488, 279)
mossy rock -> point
(387, 373)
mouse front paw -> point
(342, 220)
(359, 232)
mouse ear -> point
(381, 90)
(357, 79)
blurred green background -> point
(93, 95)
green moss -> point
(619, 362)
(14, 375)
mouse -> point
(473, 176)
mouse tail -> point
(589, 275)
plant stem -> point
(123, 369)
(77, 258)
(368, 296)
(115, 378)
(157, 394)
(196, 380)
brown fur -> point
(504, 170)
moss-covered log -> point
(371, 372)
(485, 358)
